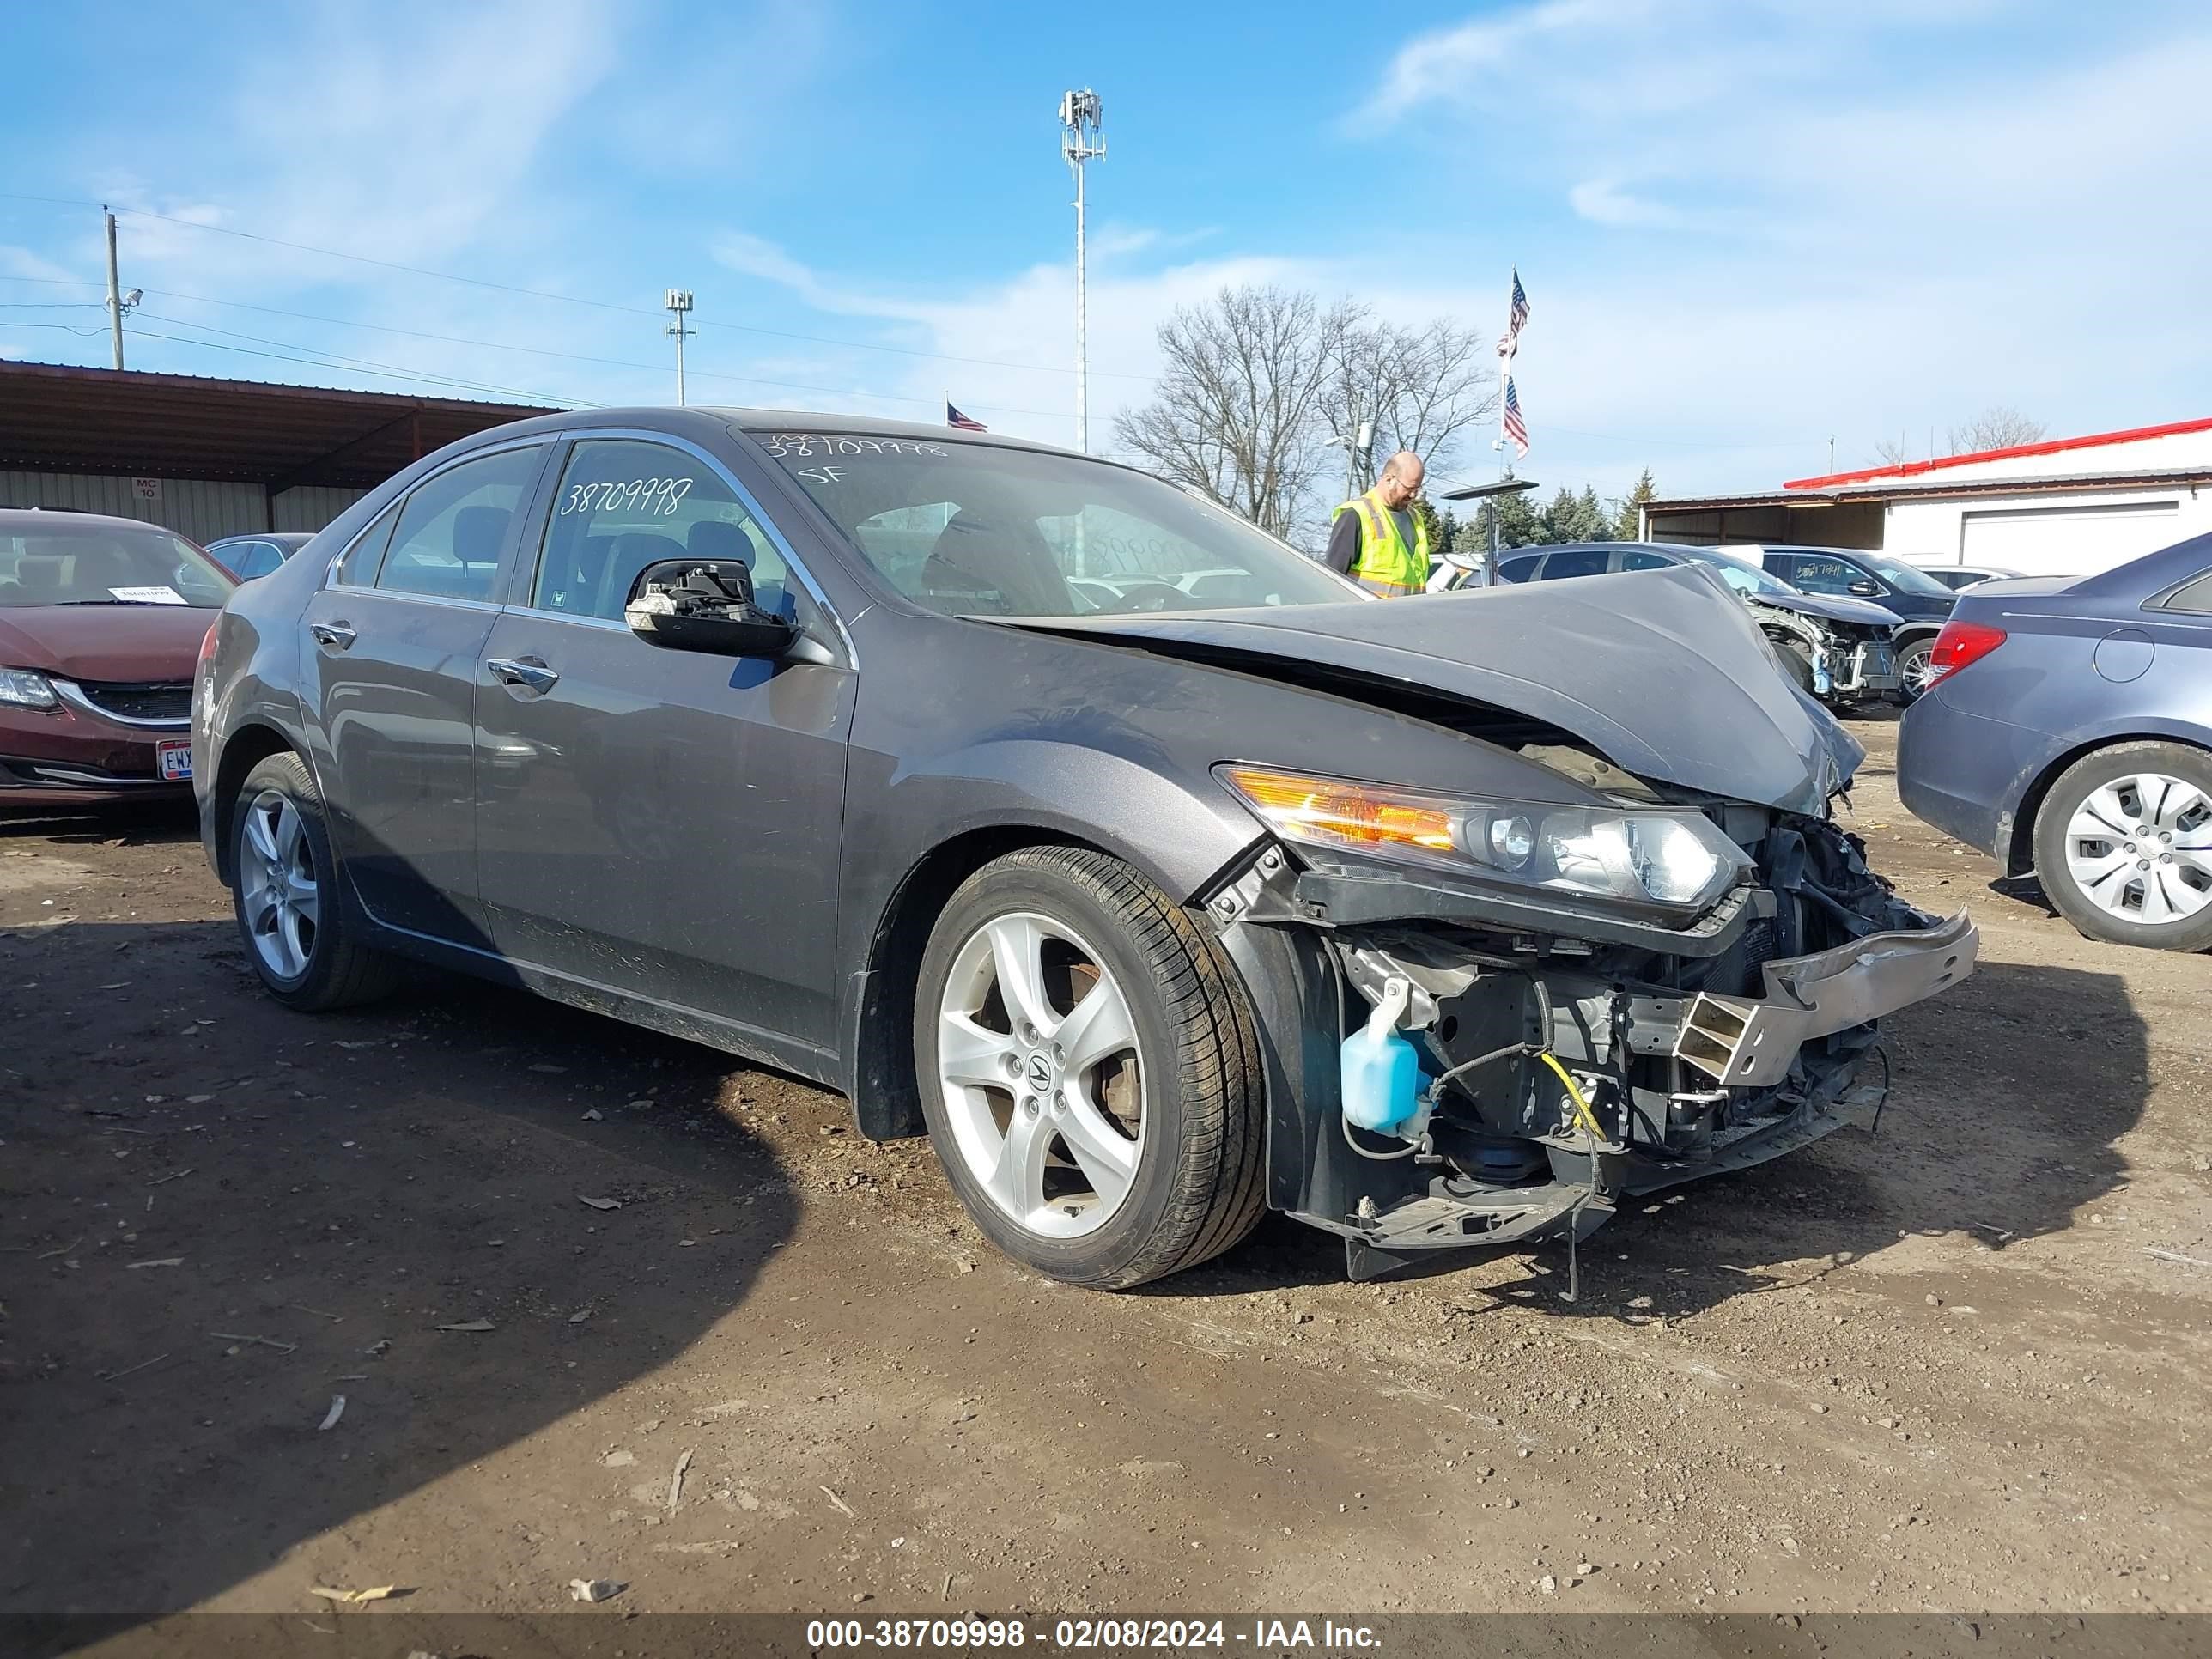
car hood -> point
(1663, 672)
(1831, 607)
(127, 642)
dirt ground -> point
(606, 1305)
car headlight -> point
(24, 687)
(1676, 860)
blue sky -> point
(1746, 227)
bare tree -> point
(1236, 412)
(1420, 387)
(1997, 427)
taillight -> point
(207, 644)
(1960, 644)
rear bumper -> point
(1963, 772)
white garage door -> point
(2068, 541)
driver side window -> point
(624, 504)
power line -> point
(359, 366)
(575, 300)
(570, 357)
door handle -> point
(337, 635)
(523, 674)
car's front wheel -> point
(1089, 1071)
(1914, 658)
(2123, 845)
(301, 939)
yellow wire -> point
(1582, 1106)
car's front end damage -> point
(1852, 661)
(1568, 1059)
(1591, 876)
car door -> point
(394, 637)
(665, 823)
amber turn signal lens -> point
(1328, 809)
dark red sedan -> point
(101, 625)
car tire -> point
(1912, 661)
(298, 934)
(1029, 1098)
(1797, 663)
(2123, 887)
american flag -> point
(953, 418)
(1516, 428)
(1509, 342)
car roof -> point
(46, 518)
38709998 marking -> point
(828, 1635)
(1112, 1635)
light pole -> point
(1082, 135)
(679, 308)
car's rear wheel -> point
(2123, 845)
(1089, 1071)
(300, 939)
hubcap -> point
(1036, 1054)
(1914, 665)
(276, 884)
(2140, 849)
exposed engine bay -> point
(1558, 1067)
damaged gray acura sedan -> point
(1154, 872)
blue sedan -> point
(2068, 730)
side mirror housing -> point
(1866, 590)
(705, 605)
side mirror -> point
(705, 605)
(1866, 590)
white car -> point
(1955, 576)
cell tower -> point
(1082, 136)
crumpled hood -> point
(1832, 606)
(126, 642)
(1664, 672)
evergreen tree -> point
(1625, 529)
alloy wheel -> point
(1915, 666)
(277, 881)
(2140, 849)
(1036, 1054)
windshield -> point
(56, 561)
(1744, 578)
(1904, 578)
(972, 529)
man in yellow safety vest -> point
(1376, 540)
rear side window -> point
(624, 503)
(447, 541)
(1579, 562)
(2194, 594)
(250, 559)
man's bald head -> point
(1401, 478)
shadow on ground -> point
(217, 1216)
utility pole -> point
(114, 292)
(679, 308)
(1083, 136)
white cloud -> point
(1603, 202)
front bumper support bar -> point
(1743, 1042)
